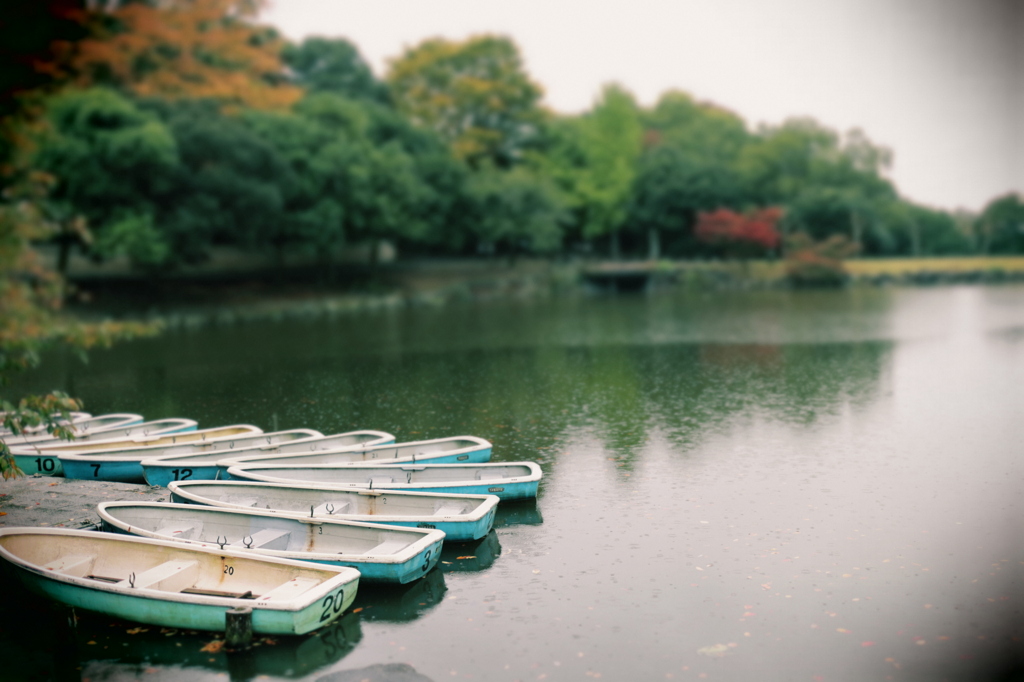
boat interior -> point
(156, 567)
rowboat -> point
(120, 460)
(452, 450)
(80, 428)
(336, 441)
(509, 481)
(112, 441)
(72, 418)
(463, 518)
(36, 458)
(179, 463)
(156, 427)
(173, 584)
(381, 553)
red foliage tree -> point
(187, 48)
(740, 235)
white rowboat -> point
(167, 583)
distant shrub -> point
(818, 264)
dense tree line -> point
(181, 126)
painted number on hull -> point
(45, 464)
(95, 470)
(181, 474)
(333, 604)
(229, 570)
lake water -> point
(738, 486)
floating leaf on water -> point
(465, 557)
(214, 647)
(714, 651)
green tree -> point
(474, 94)
(688, 165)
(332, 65)
(828, 183)
(593, 159)
(515, 211)
(227, 187)
(701, 130)
(671, 188)
(1001, 225)
(110, 160)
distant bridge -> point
(626, 276)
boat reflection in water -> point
(470, 556)
(382, 672)
(132, 650)
(518, 513)
(401, 603)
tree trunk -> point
(653, 244)
(374, 254)
(614, 247)
(915, 239)
(63, 253)
(857, 227)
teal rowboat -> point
(120, 460)
(451, 450)
(176, 585)
(509, 481)
(37, 458)
(463, 518)
(385, 554)
(80, 427)
(72, 418)
(181, 463)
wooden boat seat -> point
(388, 547)
(172, 576)
(268, 538)
(337, 507)
(77, 565)
(290, 589)
(450, 509)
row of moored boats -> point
(285, 522)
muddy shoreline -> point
(51, 501)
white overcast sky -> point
(940, 82)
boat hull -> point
(123, 462)
(156, 611)
(462, 519)
(523, 484)
(40, 462)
